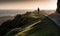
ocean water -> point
(11, 12)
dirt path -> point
(53, 16)
(28, 28)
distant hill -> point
(12, 12)
(5, 18)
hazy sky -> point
(28, 4)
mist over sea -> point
(12, 12)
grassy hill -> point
(30, 24)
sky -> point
(28, 4)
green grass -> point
(45, 28)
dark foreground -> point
(28, 26)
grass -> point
(44, 28)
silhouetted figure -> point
(38, 10)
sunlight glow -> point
(43, 5)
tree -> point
(58, 6)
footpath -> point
(55, 17)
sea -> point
(12, 12)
